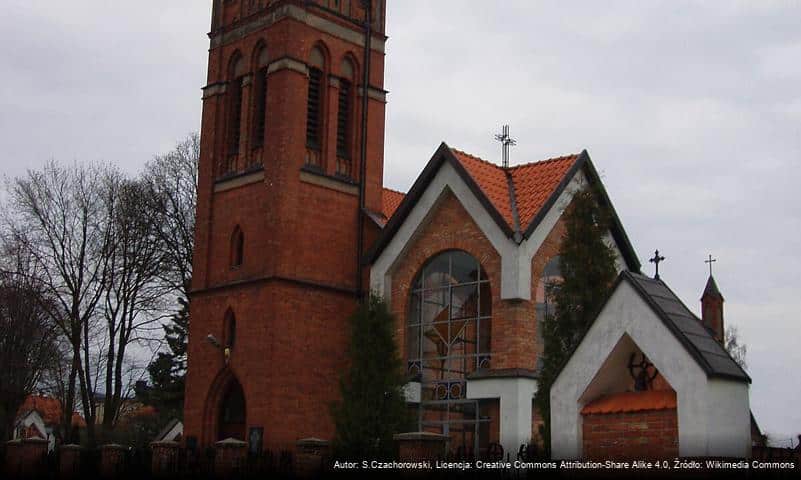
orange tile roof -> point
(631, 402)
(49, 408)
(77, 420)
(533, 184)
(492, 180)
(390, 200)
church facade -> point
(294, 226)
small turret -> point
(712, 309)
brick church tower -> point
(283, 193)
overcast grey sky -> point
(690, 110)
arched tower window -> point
(345, 120)
(237, 247)
(314, 108)
(234, 131)
(544, 304)
(448, 336)
(229, 330)
(260, 97)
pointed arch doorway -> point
(231, 418)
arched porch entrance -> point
(231, 419)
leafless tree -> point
(112, 253)
(27, 335)
(172, 181)
(55, 377)
(134, 295)
(56, 215)
(736, 349)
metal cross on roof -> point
(506, 142)
(656, 260)
(710, 261)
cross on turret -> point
(656, 261)
(710, 261)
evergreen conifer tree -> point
(372, 407)
(168, 370)
(587, 265)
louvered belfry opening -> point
(344, 163)
(234, 120)
(260, 114)
(314, 117)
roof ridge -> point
(510, 185)
(393, 190)
(535, 162)
(474, 157)
(547, 160)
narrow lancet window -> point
(234, 120)
(260, 99)
(237, 248)
(345, 121)
(314, 109)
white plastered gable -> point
(515, 258)
(713, 414)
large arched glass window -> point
(549, 280)
(448, 337)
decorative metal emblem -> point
(441, 391)
(454, 390)
(639, 371)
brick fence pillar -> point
(229, 457)
(25, 458)
(69, 460)
(112, 460)
(12, 460)
(164, 458)
(416, 446)
(311, 458)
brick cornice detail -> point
(301, 15)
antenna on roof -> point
(506, 142)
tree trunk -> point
(69, 404)
(108, 402)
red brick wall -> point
(296, 287)
(288, 356)
(634, 435)
(288, 217)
